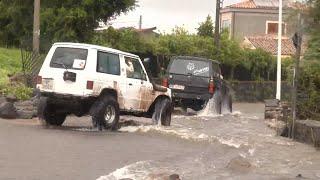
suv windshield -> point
(190, 67)
(69, 58)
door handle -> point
(130, 84)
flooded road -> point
(234, 146)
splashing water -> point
(132, 171)
(210, 109)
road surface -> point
(235, 146)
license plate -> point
(47, 84)
(176, 86)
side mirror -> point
(146, 60)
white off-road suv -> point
(83, 79)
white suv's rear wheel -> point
(110, 114)
(47, 113)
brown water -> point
(234, 146)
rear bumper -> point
(66, 98)
(183, 95)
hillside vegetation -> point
(10, 62)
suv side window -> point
(134, 69)
(108, 63)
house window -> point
(272, 27)
(226, 24)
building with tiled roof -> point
(253, 18)
(258, 4)
(270, 44)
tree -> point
(309, 82)
(15, 21)
(61, 20)
(206, 28)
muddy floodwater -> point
(233, 146)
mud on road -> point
(234, 146)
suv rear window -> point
(70, 58)
(190, 67)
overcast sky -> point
(166, 14)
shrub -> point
(309, 92)
(20, 91)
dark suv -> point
(195, 81)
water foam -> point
(186, 134)
(132, 171)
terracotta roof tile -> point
(270, 44)
(258, 4)
(245, 4)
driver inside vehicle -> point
(129, 67)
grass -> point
(10, 62)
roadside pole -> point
(36, 27)
(278, 95)
(140, 22)
(217, 28)
(297, 41)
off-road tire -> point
(47, 113)
(217, 100)
(99, 113)
(162, 112)
(227, 104)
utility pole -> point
(297, 41)
(217, 28)
(36, 26)
(140, 22)
(278, 95)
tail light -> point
(211, 87)
(165, 82)
(39, 80)
(90, 85)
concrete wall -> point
(251, 91)
(251, 24)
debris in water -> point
(240, 164)
(174, 177)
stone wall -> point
(308, 131)
(252, 91)
(278, 116)
(11, 108)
